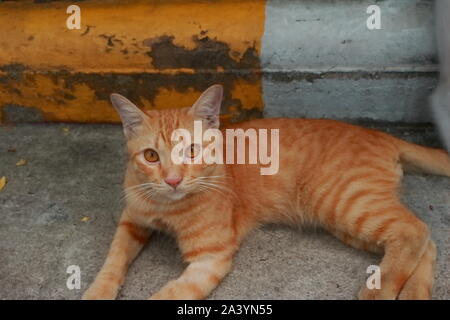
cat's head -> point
(152, 172)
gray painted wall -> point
(320, 60)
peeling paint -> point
(78, 97)
(107, 30)
(207, 54)
(164, 57)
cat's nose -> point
(173, 182)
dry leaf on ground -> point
(21, 162)
(2, 183)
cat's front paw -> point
(101, 291)
(178, 290)
(375, 294)
(168, 292)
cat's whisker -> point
(140, 198)
(208, 179)
(214, 187)
(137, 186)
(139, 192)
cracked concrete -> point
(77, 173)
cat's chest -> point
(159, 224)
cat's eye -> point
(151, 155)
(192, 151)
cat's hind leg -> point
(356, 243)
(404, 238)
(420, 285)
(363, 205)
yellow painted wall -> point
(161, 54)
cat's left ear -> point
(132, 117)
(207, 107)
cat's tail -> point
(423, 159)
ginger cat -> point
(339, 176)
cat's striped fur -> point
(339, 176)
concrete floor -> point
(77, 173)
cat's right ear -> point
(132, 117)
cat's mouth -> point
(176, 194)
